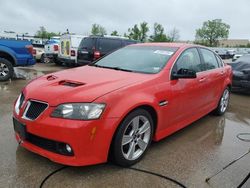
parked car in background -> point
(230, 53)
(51, 49)
(116, 106)
(69, 44)
(14, 53)
(222, 53)
(237, 56)
(94, 47)
(240, 52)
(38, 52)
(241, 73)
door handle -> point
(202, 80)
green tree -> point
(159, 35)
(98, 30)
(144, 30)
(174, 35)
(139, 32)
(211, 32)
(114, 33)
(43, 33)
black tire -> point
(6, 69)
(220, 110)
(117, 149)
(42, 59)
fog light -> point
(68, 148)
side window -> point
(128, 42)
(209, 59)
(219, 61)
(108, 45)
(189, 59)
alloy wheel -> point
(4, 70)
(136, 137)
(224, 101)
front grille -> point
(50, 145)
(34, 109)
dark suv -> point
(93, 47)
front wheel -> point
(223, 104)
(6, 70)
(132, 138)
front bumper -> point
(51, 56)
(83, 62)
(90, 140)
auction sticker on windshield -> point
(163, 52)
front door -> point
(188, 95)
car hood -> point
(84, 84)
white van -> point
(68, 46)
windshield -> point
(144, 59)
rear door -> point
(65, 45)
(215, 75)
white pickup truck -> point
(68, 47)
(51, 49)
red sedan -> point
(118, 105)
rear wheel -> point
(6, 69)
(42, 60)
(223, 104)
(132, 138)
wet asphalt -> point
(189, 156)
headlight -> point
(80, 111)
(19, 103)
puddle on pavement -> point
(28, 74)
(21, 74)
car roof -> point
(166, 44)
(110, 37)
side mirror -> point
(184, 74)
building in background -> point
(234, 42)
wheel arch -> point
(8, 56)
(148, 108)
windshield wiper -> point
(114, 68)
(121, 69)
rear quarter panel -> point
(229, 76)
(16, 48)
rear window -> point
(87, 43)
(108, 45)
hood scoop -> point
(70, 83)
(51, 77)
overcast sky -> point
(79, 15)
